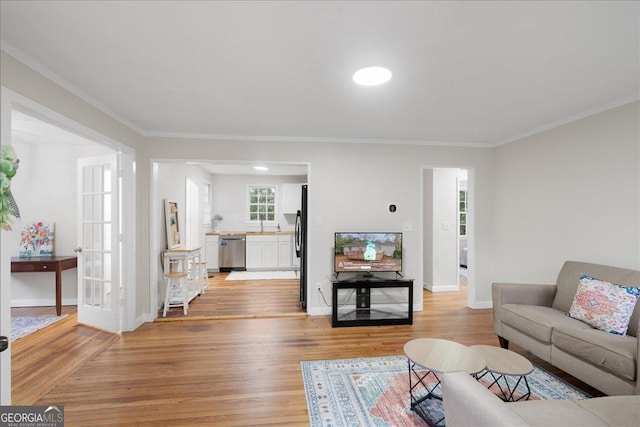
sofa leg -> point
(504, 343)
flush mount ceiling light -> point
(372, 76)
(261, 168)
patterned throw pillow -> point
(604, 305)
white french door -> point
(99, 278)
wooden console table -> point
(45, 264)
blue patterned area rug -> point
(375, 392)
(25, 325)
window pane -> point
(262, 203)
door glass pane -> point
(97, 265)
(107, 179)
(97, 293)
(86, 206)
(97, 179)
(97, 237)
(97, 207)
(106, 236)
(87, 235)
(106, 207)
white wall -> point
(570, 193)
(172, 178)
(230, 200)
(444, 230)
(45, 188)
(427, 229)
(350, 187)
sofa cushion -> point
(603, 305)
(538, 321)
(619, 411)
(616, 353)
(544, 413)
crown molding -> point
(16, 53)
(567, 120)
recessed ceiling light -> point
(261, 168)
(372, 76)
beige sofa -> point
(468, 403)
(534, 317)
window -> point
(206, 204)
(462, 211)
(262, 203)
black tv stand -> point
(374, 305)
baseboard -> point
(481, 305)
(319, 311)
(44, 302)
(446, 288)
(145, 318)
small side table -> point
(40, 264)
(436, 356)
(502, 363)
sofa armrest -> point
(467, 402)
(638, 363)
(518, 293)
(522, 293)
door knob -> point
(77, 250)
(4, 343)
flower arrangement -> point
(8, 167)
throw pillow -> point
(604, 305)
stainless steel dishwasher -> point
(232, 253)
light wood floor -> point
(225, 372)
(242, 298)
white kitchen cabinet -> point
(212, 242)
(262, 252)
(291, 198)
(253, 259)
(269, 252)
(284, 251)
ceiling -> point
(464, 73)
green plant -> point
(8, 167)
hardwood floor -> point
(226, 372)
(242, 298)
(44, 358)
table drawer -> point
(33, 267)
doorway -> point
(48, 146)
(447, 229)
(224, 188)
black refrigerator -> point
(301, 245)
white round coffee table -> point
(502, 363)
(431, 357)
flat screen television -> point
(367, 253)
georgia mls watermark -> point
(31, 416)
